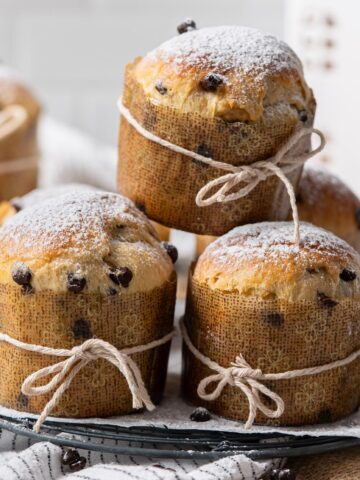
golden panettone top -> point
(231, 72)
(324, 200)
(261, 260)
(13, 91)
(9, 208)
(86, 241)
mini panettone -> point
(264, 312)
(232, 94)
(324, 200)
(84, 272)
(9, 208)
(19, 113)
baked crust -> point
(261, 261)
(86, 234)
(324, 200)
(255, 71)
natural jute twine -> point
(249, 175)
(241, 375)
(77, 358)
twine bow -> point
(65, 371)
(249, 175)
(241, 375)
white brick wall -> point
(74, 51)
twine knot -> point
(242, 376)
(247, 379)
(284, 161)
(62, 373)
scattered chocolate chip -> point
(282, 474)
(81, 329)
(15, 205)
(23, 400)
(200, 414)
(121, 276)
(204, 151)
(120, 227)
(75, 283)
(357, 217)
(160, 87)
(303, 116)
(78, 465)
(273, 318)
(186, 26)
(112, 291)
(324, 416)
(347, 275)
(325, 300)
(211, 82)
(171, 251)
(70, 456)
(140, 206)
(21, 273)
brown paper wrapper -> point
(342, 465)
(166, 183)
(21, 145)
(63, 320)
(275, 336)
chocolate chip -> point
(81, 329)
(187, 26)
(282, 474)
(357, 217)
(121, 276)
(112, 291)
(21, 273)
(204, 151)
(324, 416)
(78, 465)
(15, 205)
(303, 116)
(273, 318)
(23, 400)
(347, 275)
(200, 414)
(160, 87)
(171, 251)
(211, 82)
(75, 283)
(70, 456)
(140, 206)
(326, 301)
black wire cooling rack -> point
(163, 442)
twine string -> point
(245, 177)
(63, 373)
(241, 375)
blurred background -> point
(73, 53)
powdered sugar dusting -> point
(273, 242)
(75, 221)
(229, 47)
